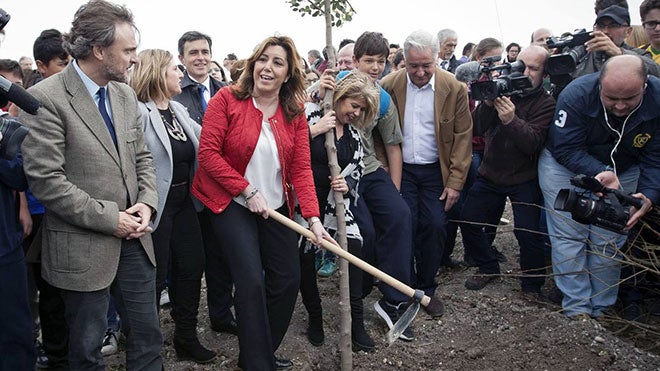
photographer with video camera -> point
(606, 126)
(583, 52)
(515, 131)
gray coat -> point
(158, 142)
(74, 169)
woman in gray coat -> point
(172, 137)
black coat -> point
(189, 96)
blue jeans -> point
(421, 187)
(385, 224)
(585, 258)
(134, 289)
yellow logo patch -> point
(641, 139)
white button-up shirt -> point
(419, 143)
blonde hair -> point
(637, 37)
(148, 78)
(359, 85)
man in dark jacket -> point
(197, 86)
(16, 344)
(515, 131)
(607, 126)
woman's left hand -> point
(338, 184)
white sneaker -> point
(109, 343)
(164, 298)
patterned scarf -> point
(353, 170)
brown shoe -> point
(479, 281)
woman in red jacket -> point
(254, 154)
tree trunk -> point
(344, 294)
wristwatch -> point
(313, 220)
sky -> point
(237, 26)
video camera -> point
(12, 131)
(511, 81)
(572, 51)
(607, 212)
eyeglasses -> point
(650, 25)
(611, 26)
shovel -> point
(417, 295)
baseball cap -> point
(618, 14)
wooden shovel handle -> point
(382, 276)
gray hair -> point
(445, 34)
(94, 25)
(421, 40)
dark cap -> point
(618, 14)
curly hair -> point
(94, 24)
(292, 93)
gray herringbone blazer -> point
(75, 170)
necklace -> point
(174, 129)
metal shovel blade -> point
(404, 321)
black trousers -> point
(263, 256)
(179, 251)
(309, 289)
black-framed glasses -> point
(650, 25)
(611, 26)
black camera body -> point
(609, 211)
(573, 50)
(511, 80)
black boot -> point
(315, 333)
(191, 350)
(361, 339)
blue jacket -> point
(581, 141)
(12, 179)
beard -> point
(112, 73)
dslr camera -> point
(610, 211)
(510, 81)
(572, 50)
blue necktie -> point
(106, 117)
(202, 89)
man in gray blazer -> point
(87, 162)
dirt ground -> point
(491, 329)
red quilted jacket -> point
(230, 132)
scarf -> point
(353, 170)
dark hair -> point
(395, 46)
(602, 4)
(48, 46)
(231, 56)
(325, 52)
(398, 57)
(647, 6)
(292, 93)
(94, 24)
(484, 46)
(371, 43)
(508, 47)
(11, 66)
(193, 36)
(345, 42)
(468, 48)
